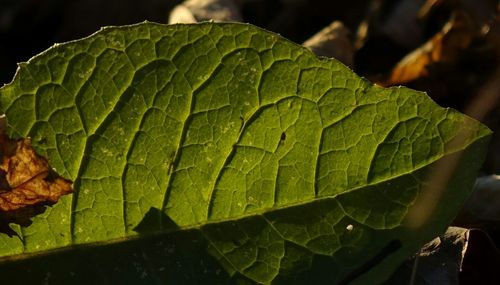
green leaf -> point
(277, 165)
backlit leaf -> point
(279, 166)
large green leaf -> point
(231, 140)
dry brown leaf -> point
(26, 181)
(442, 48)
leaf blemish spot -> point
(349, 228)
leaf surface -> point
(289, 167)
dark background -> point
(28, 27)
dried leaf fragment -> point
(443, 48)
(26, 178)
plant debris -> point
(27, 182)
(443, 48)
